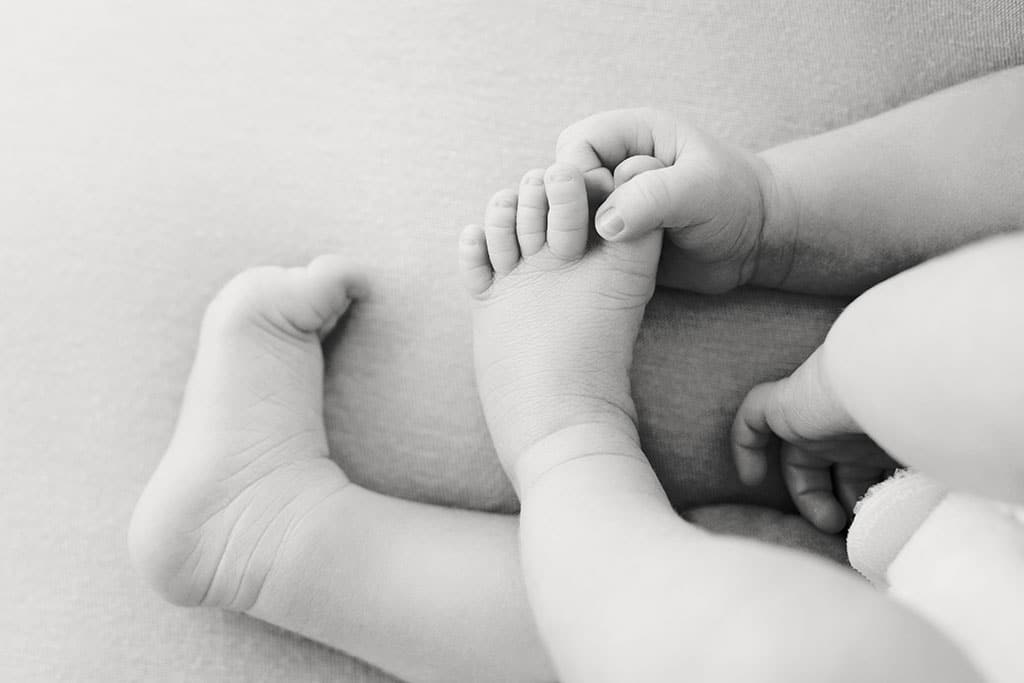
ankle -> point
(610, 436)
(199, 542)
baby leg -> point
(246, 512)
(621, 588)
(248, 458)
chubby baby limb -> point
(621, 588)
(247, 512)
(248, 461)
(818, 215)
(827, 460)
(926, 365)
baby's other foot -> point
(248, 459)
(556, 312)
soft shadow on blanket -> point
(770, 526)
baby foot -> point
(556, 312)
(248, 460)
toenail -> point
(533, 180)
(609, 223)
(559, 178)
(504, 201)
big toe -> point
(568, 212)
(299, 300)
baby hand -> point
(650, 171)
(828, 463)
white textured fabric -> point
(885, 519)
(149, 151)
(956, 559)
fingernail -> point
(609, 223)
(559, 178)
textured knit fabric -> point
(954, 558)
(149, 152)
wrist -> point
(776, 246)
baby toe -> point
(500, 231)
(474, 262)
(297, 301)
(324, 292)
(568, 212)
(532, 213)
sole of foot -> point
(556, 310)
